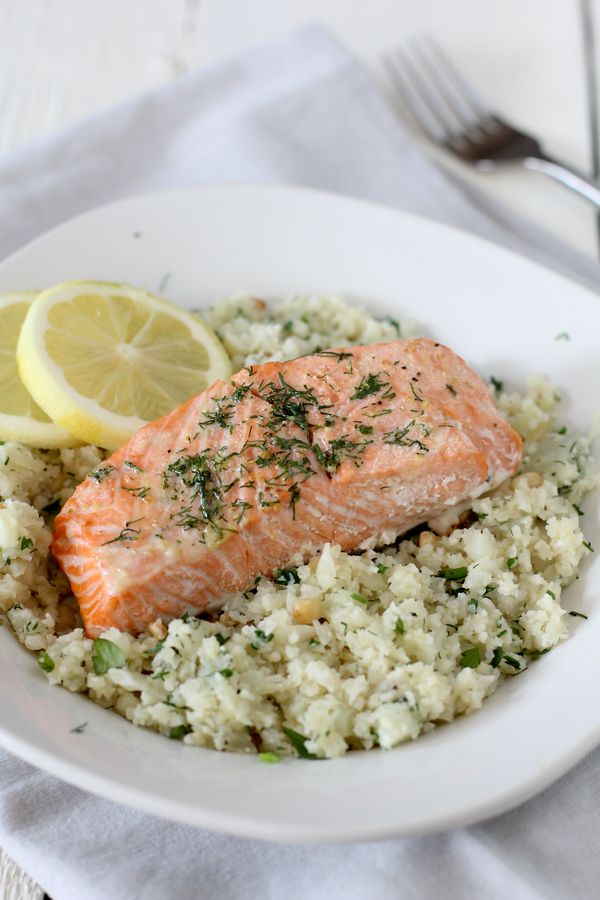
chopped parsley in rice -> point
(348, 651)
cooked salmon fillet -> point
(263, 470)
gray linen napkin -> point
(299, 111)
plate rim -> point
(232, 824)
(300, 190)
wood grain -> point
(62, 61)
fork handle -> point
(570, 178)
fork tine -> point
(411, 98)
(462, 111)
(427, 98)
(461, 86)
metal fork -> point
(450, 112)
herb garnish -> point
(45, 661)
(222, 639)
(127, 533)
(79, 729)
(266, 500)
(369, 384)
(101, 473)
(452, 389)
(179, 731)
(335, 354)
(242, 505)
(359, 599)
(511, 561)
(263, 636)
(339, 449)
(106, 656)
(220, 417)
(511, 661)
(399, 626)
(470, 658)
(200, 473)
(289, 404)
(457, 574)
(496, 384)
(140, 492)
(573, 612)
(535, 654)
(225, 408)
(497, 657)
(160, 676)
(25, 543)
(298, 742)
(269, 756)
(287, 576)
(414, 391)
(399, 437)
(169, 702)
(132, 465)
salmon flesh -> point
(266, 468)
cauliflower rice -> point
(350, 650)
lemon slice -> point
(103, 359)
(21, 419)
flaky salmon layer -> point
(265, 469)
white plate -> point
(501, 312)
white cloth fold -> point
(301, 111)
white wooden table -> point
(66, 59)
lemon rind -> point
(26, 429)
(33, 433)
